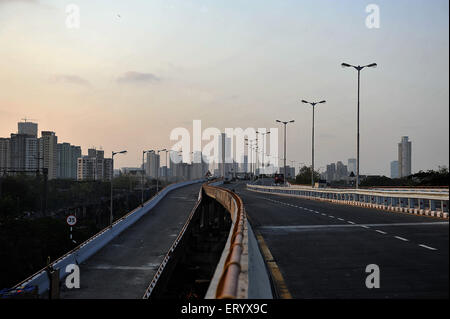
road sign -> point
(71, 220)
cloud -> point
(137, 77)
(70, 79)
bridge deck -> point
(322, 249)
(124, 268)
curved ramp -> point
(125, 266)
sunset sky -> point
(135, 70)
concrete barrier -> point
(420, 202)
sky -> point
(135, 70)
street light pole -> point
(312, 152)
(358, 68)
(111, 217)
(285, 124)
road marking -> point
(341, 219)
(427, 247)
(364, 226)
(401, 238)
(350, 225)
(324, 214)
(280, 284)
(330, 216)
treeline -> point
(422, 178)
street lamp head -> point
(278, 121)
(291, 121)
(345, 65)
(323, 101)
(372, 65)
(303, 101)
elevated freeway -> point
(124, 267)
(322, 249)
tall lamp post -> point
(312, 160)
(157, 172)
(264, 150)
(167, 166)
(285, 123)
(142, 175)
(111, 217)
(358, 68)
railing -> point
(420, 202)
(231, 281)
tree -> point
(304, 176)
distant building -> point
(152, 164)
(394, 169)
(67, 160)
(95, 166)
(48, 152)
(290, 171)
(4, 154)
(86, 168)
(404, 157)
(331, 172)
(28, 128)
(23, 152)
(351, 166)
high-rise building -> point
(152, 165)
(226, 165)
(4, 154)
(68, 160)
(86, 168)
(28, 128)
(64, 160)
(48, 151)
(351, 166)
(94, 166)
(331, 172)
(341, 171)
(404, 157)
(23, 152)
(75, 152)
(394, 169)
(108, 169)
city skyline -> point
(154, 63)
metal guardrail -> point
(86, 249)
(228, 284)
(429, 203)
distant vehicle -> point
(279, 179)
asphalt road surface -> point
(125, 267)
(323, 249)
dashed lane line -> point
(401, 238)
(427, 247)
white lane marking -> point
(323, 214)
(330, 216)
(351, 222)
(364, 226)
(427, 247)
(341, 219)
(401, 238)
(381, 232)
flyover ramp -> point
(126, 265)
(322, 249)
